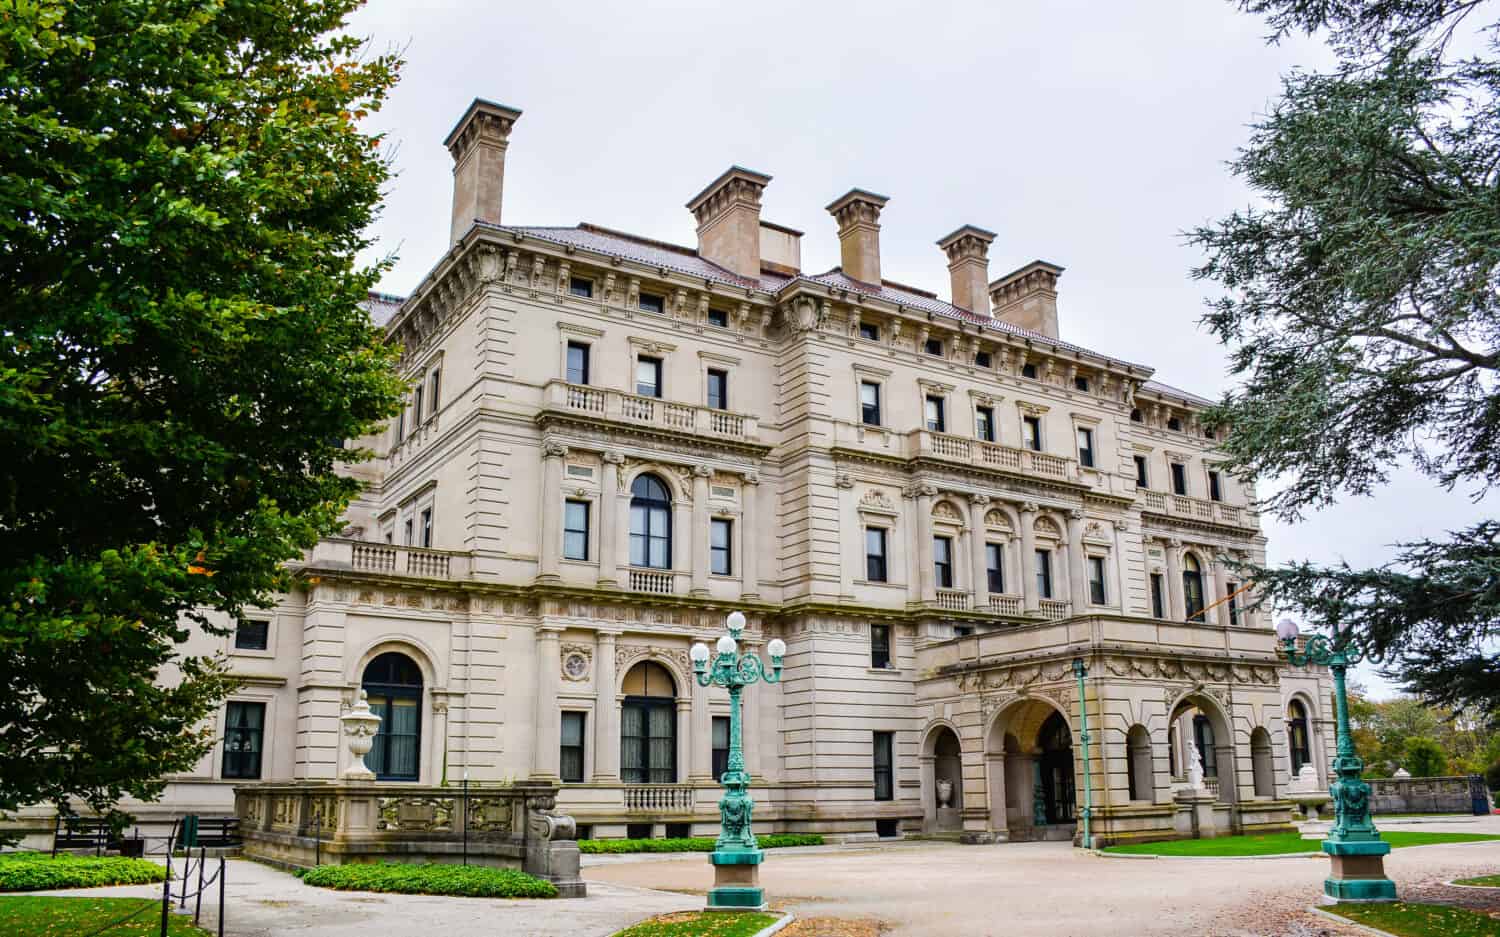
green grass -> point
(33, 916)
(1420, 920)
(35, 871)
(702, 924)
(1273, 844)
(692, 844)
(471, 881)
(1484, 881)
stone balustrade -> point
(1182, 506)
(1054, 609)
(948, 447)
(659, 798)
(954, 600)
(1007, 604)
(657, 581)
(609, 404)
(391, 559)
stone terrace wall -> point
(1420, 795)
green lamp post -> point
(736, 857)
(1081, 671)
(1354, 846)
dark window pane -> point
(1136, 416)
(1174, 424)
(650, 302)
(578, 363)
(934, 346)
(718, 389)
(875, 554)
(648, 377)
(1179, 478)
(1140, 472)
(1096, 580)
(880, 646)
(1031, 431)
(244, 727)
(570, 761)
(934, 410)
(252, 634)
(648, 740)
(869, 403)
(884, 758)
(870, 331)
(1085, 447)
(1081, 383)
(982, 359)
(1158, 600)
(718, 318)
(719, 547)
(650, 524)
(576, 530)
(720, 740)
(994, 567)
(1214, 492)
(1044, 574)
(1028, 370)
(942, 561)
(984, 424)
(579, 286)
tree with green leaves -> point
(184, 190)
(1361, 310)
(1423, 758)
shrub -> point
(1424, 757)
(470, 881)
(1492, 777)
(692, 844)
(34, 871)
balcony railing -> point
(651, 411)
(650, 580)
(1006, 604)
(658, 798)
(1054, 609)
(1195, 508)
(992, 454)
(953, 600)
(391, 559)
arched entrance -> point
(393, 684)
(942, 781)
(1198, 725)
(1055, 772)
(1033, 787)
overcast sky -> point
(1088, 134)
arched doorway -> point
(1032, 787)
(1059, 796)
(393, 684)
(648, 726)
(1262, 768)
(942, 774)
(1198, 725)
(1141, 777)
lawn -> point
(38, 871)
(1483, 881)
(692, 843)
(1420, 920)
(702, 924)
(469, 881)
(31, 916)
(1273, 844)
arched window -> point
(1262, 771)
(1297, 738)
(648, 726)
(650, 523)
(1203, 737)
(1138, 743)
(393, 683)
(1192, 587)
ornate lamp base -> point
(736, 881)
(1358, 872)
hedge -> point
(34, 871)
(470, 881)
(692, 844)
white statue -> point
(1194, 766)
(360, 726)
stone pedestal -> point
(737, 881)
(1358, 872)
(1195, 813)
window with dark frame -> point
(984, 423)
(1044, 573)
(1158, 597)
(1081, 383)
(983, 359)
(244, 733)
(427, 527)
(884, 764)
(1028, 370)
(410, 527)
(393, 684)
(648, 376)
(1173, 423)
(875, 568)
(869, 403)
(1096, 580)
(1031, 432)
(942, 561)
(417, 396)
(1179, 478)
(720, 546)
(1215, 493)
(1136, 416)
(650, 302)
(934, 347)
(650, 523)
(575, 530)
(1085, 447)
(869, 331)
(252, 634)
(1140, 472)
(570, 751)
(720, 746)
(434, 383)
(880, 647)
(718, 389)
(718, 318)
(581, 286)
(994, 568)
(1232, 588)
(578, 363)
(933, 411)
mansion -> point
(610, 443)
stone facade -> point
(790, 421)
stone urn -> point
(360, 726)
(945, 793)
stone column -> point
(926, 576)
(701, 738)
(685, 740)
(609, 511)
(1078, 587)
(699, 538)
(549, 552)
(545, 755)
(683, 541)
(1028, 557)
(1221, 589)
(749, 539)
(606, 711)
(1175, 596)
(1122, 571)
(978, 505)
(622, 523)
(1015, 572)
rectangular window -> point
(1031, 433)
(720, 551)
(934, 347)
(434, 383)
(244, 728)
(718, 318)
(982, 359)
(720, 740)
(984, 424)
(885, 777)
(869, 403)
(1085, 447)
(875, 554)
(994, 568)
(416, 405)
(427, 527)
(408, 528)
(942, 561)
(401, 423)
(1215, 493)
(581, 286)
(1234, 601)
(1158, 597)
(933, 408)
(1174, 424)
(570, 760)
(650, 302)
(576, 530)
(1028, 370)
(880, 647)
(1081, 383)
(648, 376)
(648, 740)
(869, 331)
(1096, 580)
(252, 634)
(1140, 472)
(718, 389)
(1179, 478)
(1044, 573)
(578, 363)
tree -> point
(1364, 324)
(1423, 758)
(183, 191)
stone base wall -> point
(1420, 795)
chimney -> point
(780, 249)
(728, 214)
(1028, 297)
(477, 144)
(968, 251)
(858, 215)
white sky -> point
(1088, 134)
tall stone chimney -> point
(968, 251)
(728, 213)
(477, 144)
(1028, 297)
(858, 215)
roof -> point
(1167, 390)
(643, 250)
(382, 306)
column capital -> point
(1121, 524)
(702, 471)
(552, 449)
(927, 491)
(979, 499)
(1174, 542)
(611, 457)
(1076, 514)
(750, 478)
(549, 632)
(1030, 507)
(607, 634)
